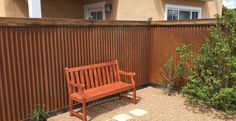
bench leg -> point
(84, 112)
(134, 95)
(71, 107)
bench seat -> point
(102, 91)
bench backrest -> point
(94, 75)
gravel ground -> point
(157, 105)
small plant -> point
(39, 113)
(169, 74)
(175, 76)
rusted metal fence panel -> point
(33, 58)
(165, 39)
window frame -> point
(191, 9)
(93, 7)
(34, 8)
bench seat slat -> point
(103, 91)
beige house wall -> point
(16, 8)
(212, 8)
(2, 9)
(121, 9)
(155, 9)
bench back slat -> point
(91, 80)
(111, 73)
(115, 72)
(107, 75)
(104, 79)
(94, 75)
(87, 85)
(99, 76)
(82, 77)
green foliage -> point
(225, 11)
(212, 80)
(39, 114)
(174, 74)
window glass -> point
(178, 13)
(96, 15)
(172, 15)
(99, 15)
(195, 15)
(184, 15)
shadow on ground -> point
(100, 107)
(197, 108)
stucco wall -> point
(138, 10)
(62, 8)
(16, 8)
(212, 7)
(2, 8)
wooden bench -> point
(92, 82)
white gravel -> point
(156, 105)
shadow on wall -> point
(62, 9)
(113, 14)
(160, 8)
(208, 9)
(17, 8)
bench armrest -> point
(130, 74)
(81, 87)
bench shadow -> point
(204, 109)
(105, 105)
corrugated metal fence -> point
(166, 36)
(33, 54)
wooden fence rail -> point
(34, 52)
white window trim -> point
(94, 6)
(182, 7)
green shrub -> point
(212, 80)
(39, 113)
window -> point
(95, 11)
(176, 12)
